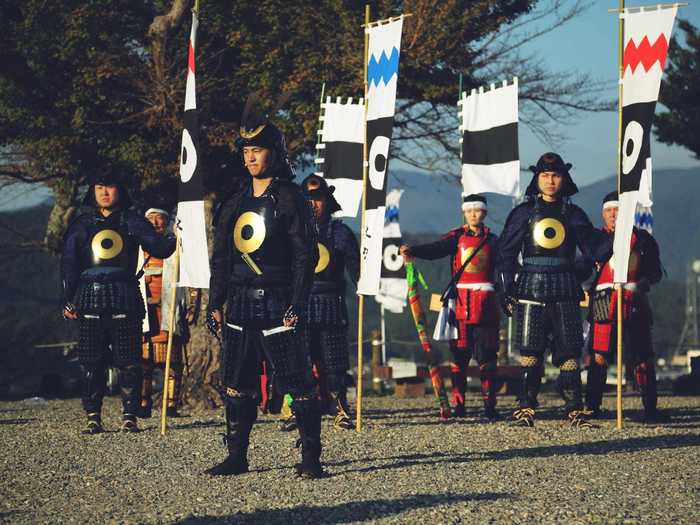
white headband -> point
(156, 210)
(611, 204)
(474, 205)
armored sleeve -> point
(347, 242)
(510, 241)
(220, 258)
(594, 244)
(651, 260)
(160, 246)
(445, 246)
(301, 231)
(75, 238)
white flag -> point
(194, 253)
(489, 126)
(647, 36)
(382, 75)
(340, 152)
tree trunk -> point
(202, 382)
(62, 213)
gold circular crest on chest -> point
(324, 257)
(249, 232)
(549, 233)
(107, 244)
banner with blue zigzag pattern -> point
(383, 69)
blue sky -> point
(587, 43)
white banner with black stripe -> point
(382, 76)
(194, 253)
(489, 127)
(393, 287)
(647, 36)
(339, 157)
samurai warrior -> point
(546, 230)
(644, 270)
(325, 323)
(262, 268)
(472, 249)
(156, 286)
(101, 292)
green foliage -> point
(90, 85)
(680, 93)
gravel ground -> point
(404, 467)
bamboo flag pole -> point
(361, 298)
(171, 329)
(621, 36)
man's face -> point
(319, 205)
(474, 216)
(609, 217)
(257, 159)
(158, 220)
(549, 183)
(107, 196)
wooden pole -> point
(621, 36)
(361, 298)
(166, 372)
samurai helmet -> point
(257, 130)
(315, 187)
(552, 162)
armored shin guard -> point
(569, 386)
(645, 375)
(146, 389)
(597, 376)
(459, 380)
(240, 417)
(308, 415)
(94, 387)
(488, 389)
(130, 384)
(530, 381)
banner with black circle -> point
(393, 287)
(636, 143)
(194, 252)
(382, 77)
(647, 36)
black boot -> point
(240, 418)
(342, 419)
(646, 379)
(94, 424)
(595, 384)
(130, 389)
(129, 424)
(308, 415)
(530, 379)
(488, 393)
(570, 389)
(146, 408)
(94, 386)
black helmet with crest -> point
(552, 162)
(257, 130)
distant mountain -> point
(432, 204)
